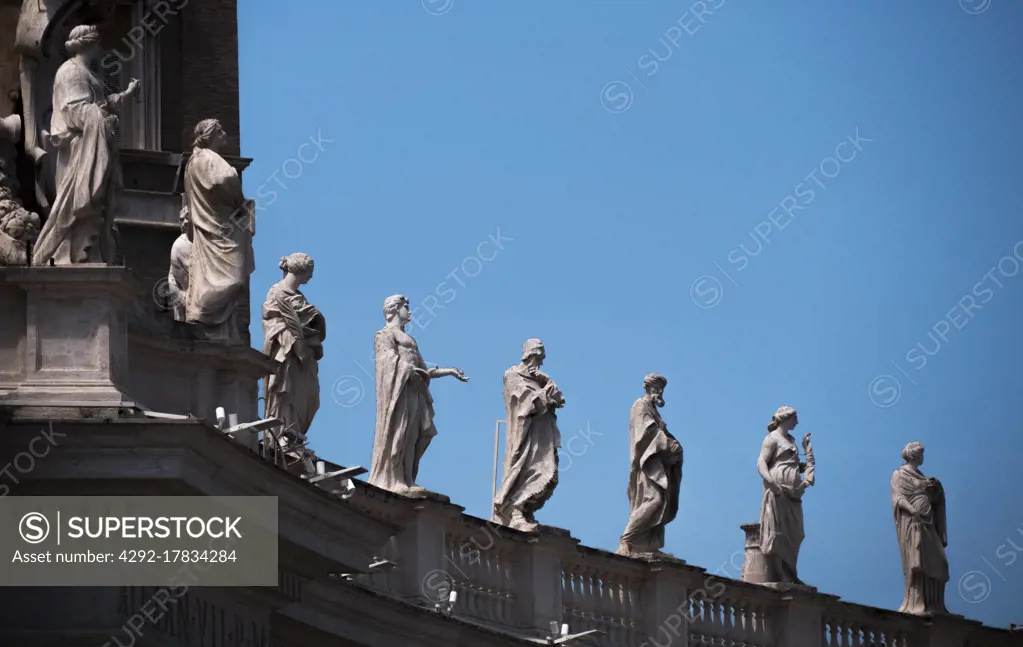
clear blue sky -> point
(634, 221)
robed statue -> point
(293, 334)
(180, 261)
(404, 423)
(531, 401)
(222, 223)
(83, 131)
(781, 510)
(655, 473)
(918, 503)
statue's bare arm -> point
(766, 454)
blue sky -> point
(814, 204)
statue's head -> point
(84, 41)
(784, 418)
(183, 219)
(654, 385)
(913, 453)
(299, 264)
(397, 306)
(533, 353)
(209, 134)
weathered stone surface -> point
(531, 401)
(918, 504)
(781, 508)
(71, 329)
(222, 225)
(404, 422)
(293, 334)
(655, 474)
(83, 131)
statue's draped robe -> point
(80, 226)
(177, 275)
(221, 243)
(654, 479)
(531, 446)
(293, 334)
(781, 515)
(922, 540)
(404, 423)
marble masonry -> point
(918, 503)
(531, 401)
(126, 368)
(404, 424)
(655, 473)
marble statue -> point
(180, 261)
(83, 131)
(531, 401)
(38, 48)
(781, 509)
(19, 227)
(222, 257)
(918, 503)
(293, 334)
(404, 423)
(655, 474)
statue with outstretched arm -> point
(404, 422)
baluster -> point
(631, 609)
(612, 589)
(597, 579)
(717, 618)
(606, 617)
(596, 613)
(586, 598)
(623, 618)
(566, 591)
(570, 594)
(575, 580)
(722, 608)
(742, 622)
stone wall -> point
(9, 77)
(209, 70)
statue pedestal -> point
(64, 336)
(755, 568)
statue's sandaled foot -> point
(520, 522)
(415, 492)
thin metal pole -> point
(497, 441)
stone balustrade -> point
(521, 582)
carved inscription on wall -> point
(190, 619)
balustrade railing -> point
(853, 625)
(521, 582)
(604, 592)
(738, 616)
(482, 566)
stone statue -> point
(221, 224)
(781, 509)
(18, 226)
(918, 503)
(83, 131)
(37, 45)
(180, 261)
(655, 473)
(404, 424)
(293, 334)
(531, 400)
